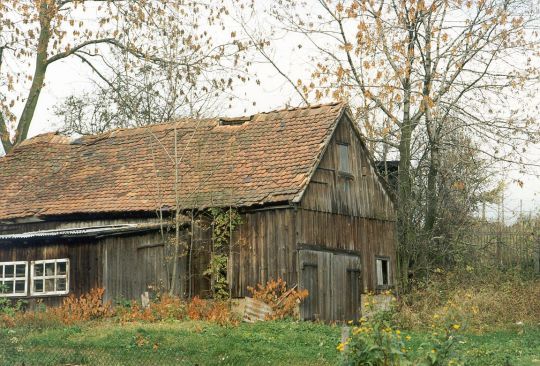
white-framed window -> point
(49, 277)
(382, 266)
(13, 278)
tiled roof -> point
(266, 158)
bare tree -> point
(37, 34)
(409, 67)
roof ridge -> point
(57, 137)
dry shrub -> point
(485, 300)
(215, 311)
(164, 307)
(283, 301)
(167, 307)
(73, 310)
(91, 307)
(87, 307)
(197, 308)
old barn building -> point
(76, 214)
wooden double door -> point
(334, 283)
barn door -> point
(333, 283)
(310, 309)
(354, 289)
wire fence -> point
(507, 246)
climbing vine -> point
(224, 221)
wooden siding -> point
(358, 193)
(349, 211)
(264, 248)
(132, 264)
(367, 237)
(85, 270)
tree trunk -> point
(405, 212)
(4, 135)
(432, 205)
(39, 74)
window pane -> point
(49, 285)
(49, 269)
(385, 271)
(9, 270)
(20, 270)
(379, 273)
(38, 269)
(8, 287)
(38, 286)
(344, 165)
(19, 287)
(2, 288)
(61, 284)
(61, 268)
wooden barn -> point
(97, 211)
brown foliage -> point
(282, 300)
(484, 300)
(91, 307)
(84, 308)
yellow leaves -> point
(340, 73)
(458, 185)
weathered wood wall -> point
(359, 193)
(264, 248)
(349, 211)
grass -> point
(515, 347)
(179, 343)
(201, 343)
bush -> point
(283, 301)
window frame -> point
(346, 173)
(45, 277)
(14, 278)
(388, 272)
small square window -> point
(383, 272)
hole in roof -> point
(237, 121)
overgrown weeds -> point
(487, 299)
(91, 306)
